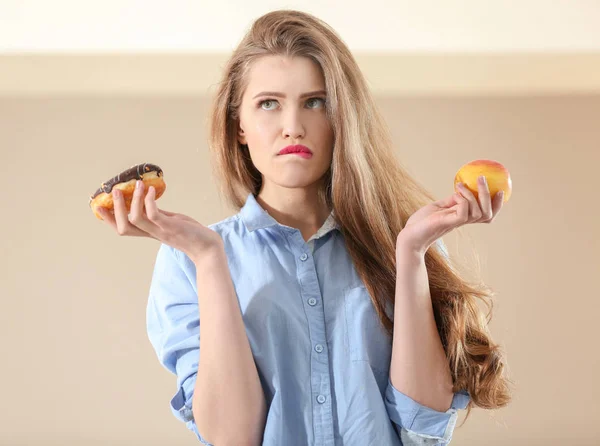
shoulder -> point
(231, 229)
(233, 232)
(228, 225)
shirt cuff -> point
(417, 420)
(181, 406)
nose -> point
(292, 124)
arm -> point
(419, 366)
(419, 395)
(229, 404)
(218, 391)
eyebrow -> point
(281, 95)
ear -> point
(241, 136)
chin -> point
(293, 175)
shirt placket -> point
(312, 301)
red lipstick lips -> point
(297, 149)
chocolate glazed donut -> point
(150, 174)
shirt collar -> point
(255, 217)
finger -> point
(120, 211)
(123, 226)
(167, 213)
(485, 202)
(447, 202)
(151, 208)
(474, 209)
(136, 210)
(109, 218)
(176, 215)
(462, 210)
(138, 216)
(498, 201)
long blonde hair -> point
(369, 191)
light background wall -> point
(380, 25)
(77, 367)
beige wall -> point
(77, 367)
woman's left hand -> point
(433, 221)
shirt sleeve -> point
(173, 326)
(421, 425)
(443, 248)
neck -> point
(298, 208)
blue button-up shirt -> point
(322, 356)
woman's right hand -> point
(145, 219)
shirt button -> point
(319, 348)
(303, 257)
(321, 399)
(312, 301)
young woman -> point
(324, 312)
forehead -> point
(291, 75)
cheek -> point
(260, 135)
(261, 129)
(324, 130)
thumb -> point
(167, 213)
(446, 202)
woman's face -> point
(283, 105)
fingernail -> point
(116, 194)
(483, 180)
(138, 184)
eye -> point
(312, 101)
(267, 101)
